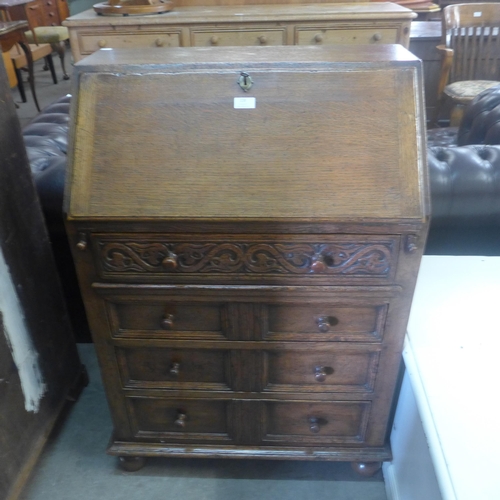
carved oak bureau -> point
(247, 226)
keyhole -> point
(245, 81)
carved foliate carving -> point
(373, 259)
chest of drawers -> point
(254, 25)
(247, 258)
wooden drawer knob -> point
(181, 420)
(167, 322)
(314, 424)
(377, 37)
(326, 322)
(159, 42)
(102, 43)
(214, 40)
(318, 38)
(169, 263)
(263, 39)
(82, 242)
(321, 372)
(175, 369)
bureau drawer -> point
(248, 421)
(89, 43)
(181, 369)
(154, 257)
(326, 322)
(322, 370)
(179, 420)
(281, 314)
(316, 422)
(237, 37)
(356, 36)
(249, 367)
(168, 318)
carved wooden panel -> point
(345, 258)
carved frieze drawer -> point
(345, 257)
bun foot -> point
(131, 464)
(366, 469)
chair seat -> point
(464, 92)
(48, 34)
(37, 52)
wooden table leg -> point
(31, 72)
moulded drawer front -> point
(361, 36)
(179, 420)
(91, 43)
(193, 369)
(316, 422)
(237, 37)
(322, 370)
(326, 322)
(166, 319)
(343, 256)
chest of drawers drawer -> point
(328, 36)
(237, 37)
(89, 43)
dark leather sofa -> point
(464, 169)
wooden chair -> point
(19, 61)
(470, 55)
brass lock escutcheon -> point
(245, 81)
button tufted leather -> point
(46, 141)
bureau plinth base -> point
(129, 451)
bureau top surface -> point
(322, 133)
(251, 13)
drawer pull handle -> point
(262, 39)
(377, 37)
(170, 262)
(82, 242)
(314, 423)
(102, 43)
(175, 369)
(318, 38)
(214, 40)
(320, 372)
(326, 322)
(181, 419)
(159, 42)
(167, 322)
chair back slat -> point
(472, 31)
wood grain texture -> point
(353, 176)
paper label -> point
(478, 14)
(244, 103)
